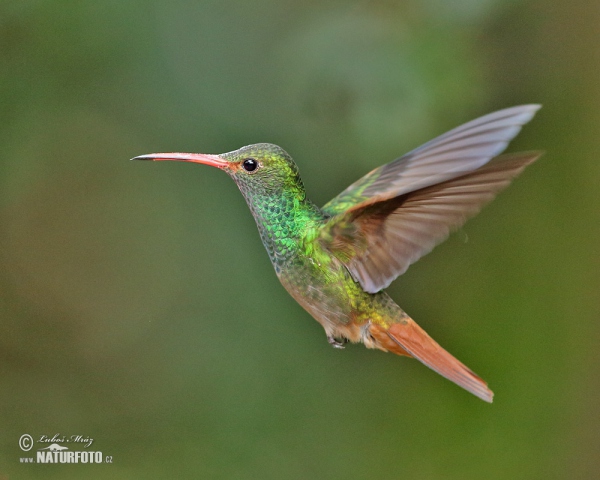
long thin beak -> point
(212, 160)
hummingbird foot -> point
(336, 343)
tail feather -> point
(409, 337)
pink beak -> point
(212, 160)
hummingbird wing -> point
(378, 240)
(453, 154)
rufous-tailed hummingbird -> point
(336, 260)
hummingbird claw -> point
(336, 343)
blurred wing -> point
(453, 154)
(379, 241)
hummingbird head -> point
(262, 169)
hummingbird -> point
(336, 261)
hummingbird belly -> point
(336, 301)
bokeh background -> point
(137, 305)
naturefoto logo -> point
(58, 452)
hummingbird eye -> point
(250, 164)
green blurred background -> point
(139, 308)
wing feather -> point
(453, 154)
(397, 232)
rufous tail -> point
(407, 337)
